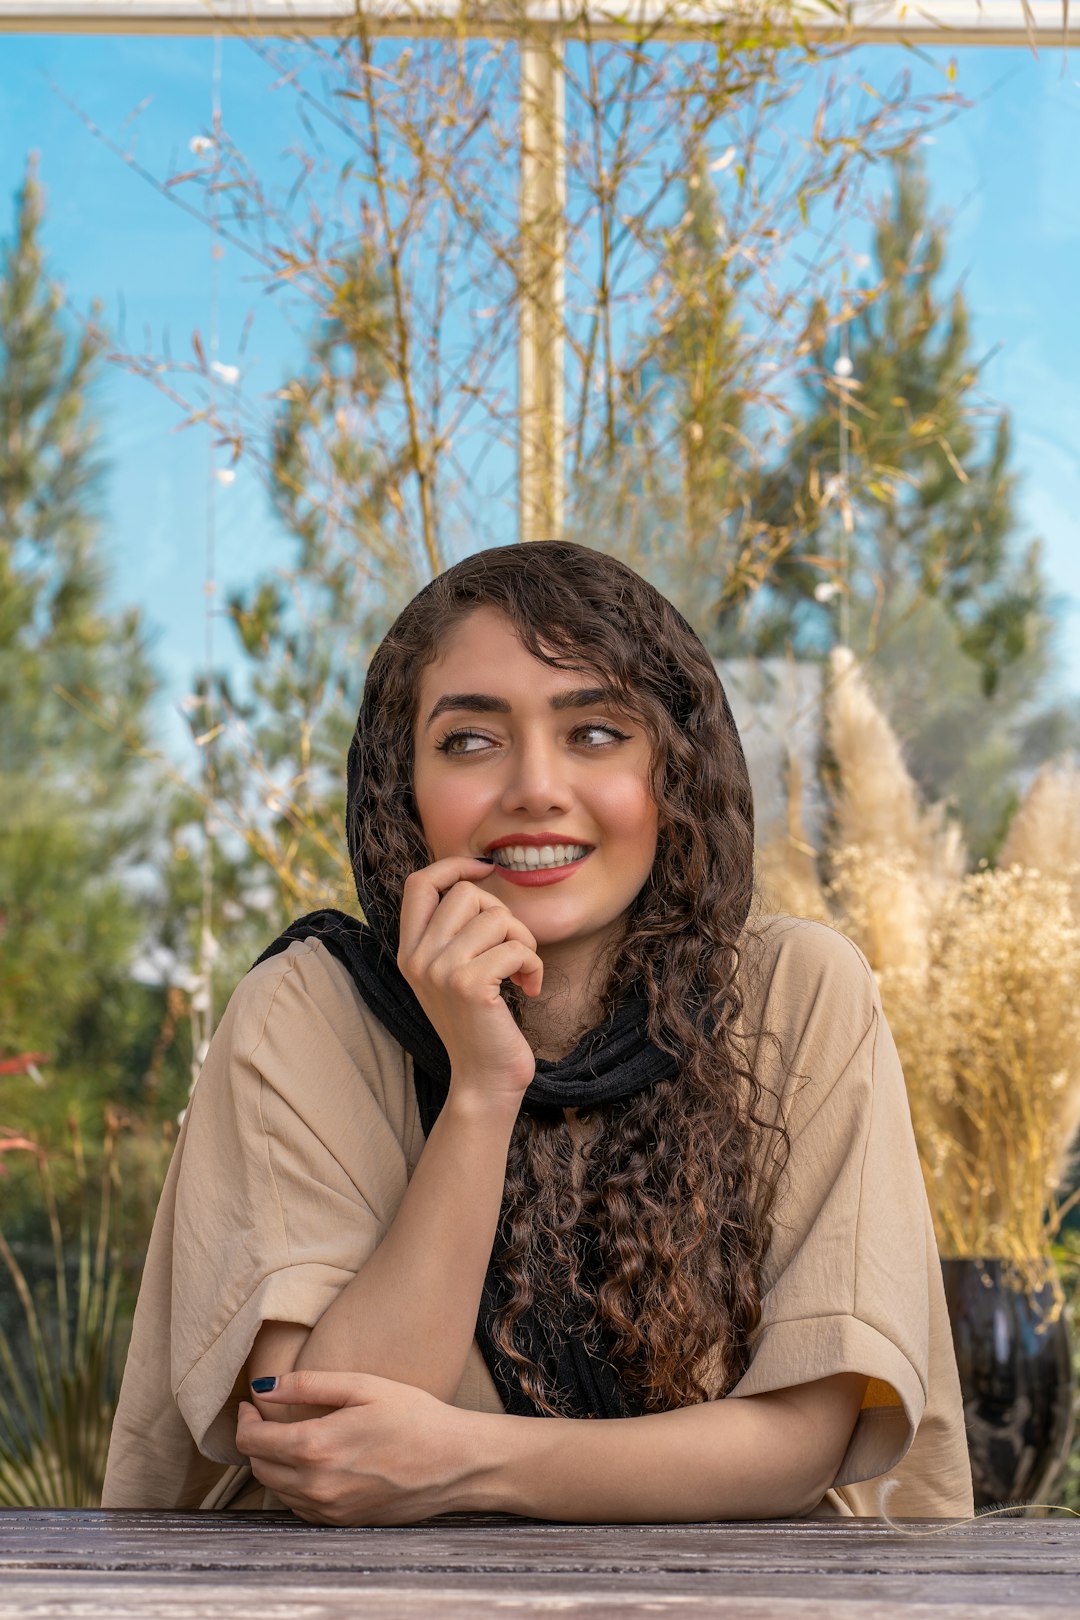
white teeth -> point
(530, 857)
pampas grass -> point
(979, 973)
(892, 860)
(1044, 834)
(788, 863)
(993, 1060)
(878, 806)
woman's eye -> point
(607, 733)
(449, 743)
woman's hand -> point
(458, 943)
(387, 1454)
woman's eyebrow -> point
(583, 697)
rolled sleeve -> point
(290, 1178)
(294, 1155)
(206, 1394)
(846, 1281)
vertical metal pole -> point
(542, 215)
(846, 519)
(202, 1000)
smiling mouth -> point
(546, 858)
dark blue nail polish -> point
(263, 1386)
(488, 860)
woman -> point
(556, 1132)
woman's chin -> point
(583, 941)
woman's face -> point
(530, 763)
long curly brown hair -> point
(675, 1199)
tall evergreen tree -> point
(927, 495)
(74, 817)
(669, 486)
(937, 586)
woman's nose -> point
(537, 779)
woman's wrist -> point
(474, 1108)
(487, 1442)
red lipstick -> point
(539, 875)
(533, 841)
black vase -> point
(1016, 1376)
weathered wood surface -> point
(223, 1566)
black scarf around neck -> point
(614, 1060)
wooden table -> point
(224, 1566)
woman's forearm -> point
(758, 1457)
(410, 1312)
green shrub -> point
(61, 1356)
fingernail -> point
(488, 860)
(263, 1386)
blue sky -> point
(1005, 169)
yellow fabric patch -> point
(879, 1393)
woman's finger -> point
(473, 940)
(424, 889)
(248, 1423)
(309, 1387)
(304, 1509)
(512, 960)
(276, 1445)
(457, 908)
(280, 1478)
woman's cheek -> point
(450, 812)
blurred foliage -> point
(304, 637)
(77, 820)
(948, 606)
(61, 1362)
(671, 486)
(977, 971)
(1066, 1491)
(923, 505)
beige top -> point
(297, 1147)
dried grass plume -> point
(979, 972)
